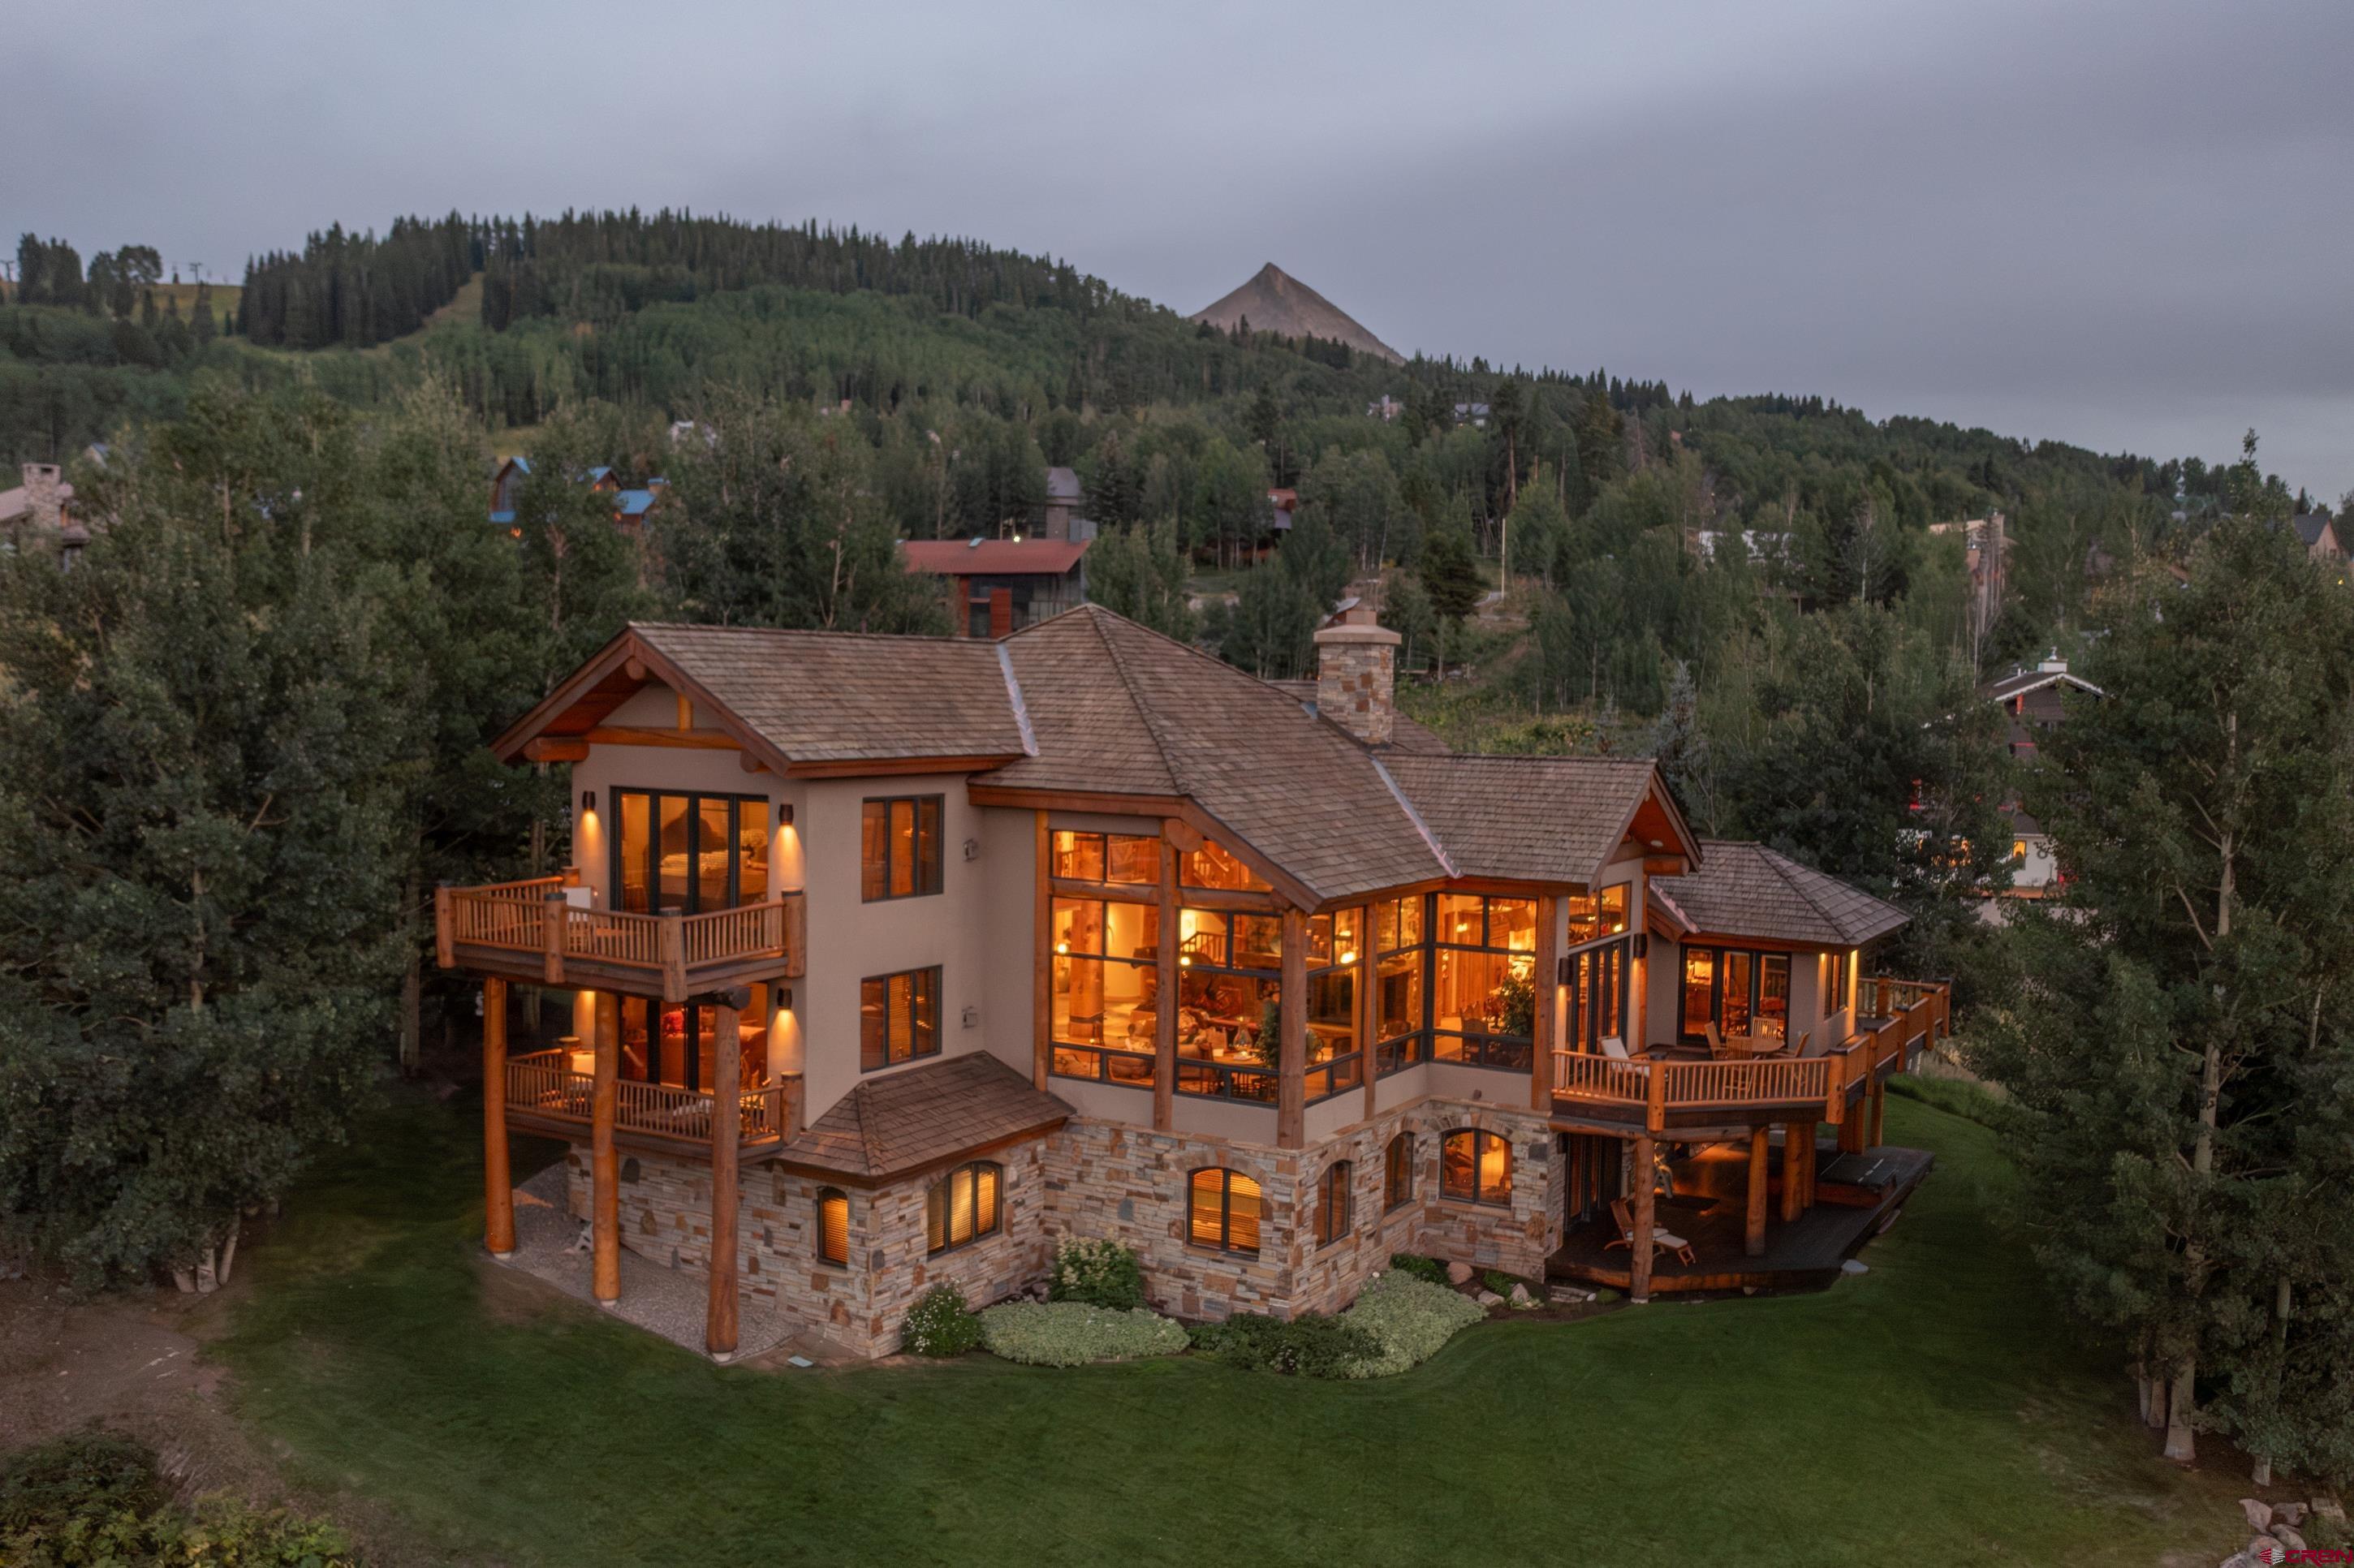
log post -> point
(726, 1133)
(445, 940)
(673, 957)
(1879, 1116)
(1655, 1094)
(1042, 981)
(1638, 1278)
(498, 1183)
(1548, 999)
(1794, 1181)
(1809, 1153)
(1369, 1011)
(552, 911)
(604, 1167)
(1165, 990)
(1292, 1070)
(1753, 1240)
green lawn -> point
(1934, 1411)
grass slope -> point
(1934, 1411)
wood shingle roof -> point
(1748, 890)
(917, 1118)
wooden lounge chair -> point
(1661, 1240)
(1614, 1048)
(1719, 1051)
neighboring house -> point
(2034, 700)
(896, 959)
(40, 512)
(1065, 503)
(2319, 534)
(1387, 410)
(1283, 501)
(1476, 415)
(1762, 548)
(1000, 586)
(630, 506)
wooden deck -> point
(533, 931)
(1856, 1193)
(546, 1095)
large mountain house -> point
(898, 959)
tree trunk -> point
(2181, 1442)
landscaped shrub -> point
(1098, 1273)
(1071, 1334)
(941, 1324)
(1418, 1266)
(1499, 1281)
(1405, 1321)
(99, 1500)
(1309, 1346)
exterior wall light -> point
(587, 802)
(784, 813)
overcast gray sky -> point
(2125, 225)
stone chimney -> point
(1356, 675)
(44, 497)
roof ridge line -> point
(1380, 771)
(1021, 704)
(1144, 709)
(1795, 886)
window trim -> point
(1397, 1193)
(1479, 1137)
(1340, 1177)
(884, 980)
(939, 804)
(944, 1190)
(1223, 1245)
(826, 1195)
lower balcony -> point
(1664, 1091)
(554, 1093)
(537, 931)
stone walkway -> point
(550, 1244)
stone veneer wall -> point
(1097, 1179)
(1110, 1179)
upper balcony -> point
(533, 930)
(1895, 1021)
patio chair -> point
(1614, 1048)
(1718, 1051)
(1661, 1240)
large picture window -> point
(1834, 982)
(690, 852)
(1475, 1166)
(679, 1045)
(1333, 1223)
(1106, 990)
(1221, 1210)
(1229, 1004)
(1400, 957)
(1598, 995)
(1214, 867)
(898, 1017)
(1125, 858)
(1594, 916)
(1334, 1064)
(964, 1207)
(1740, 991)
(1483, 981)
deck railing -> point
(546, 1084)
(535, 917)
(1652, 1086)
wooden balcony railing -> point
(534, 917)
(546, 1087)
(1650, 1088)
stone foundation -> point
(1103, 1178)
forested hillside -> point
(1750, 587)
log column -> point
(1638, 1281)
(1548, 1004)
(1753, 1240)
(1794, 1179)
(726, 1133)
(1291, 1073)
(1042, 979)
(604, 1167)
(498, 1183)
(1879, 1134)
(1165, 987)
